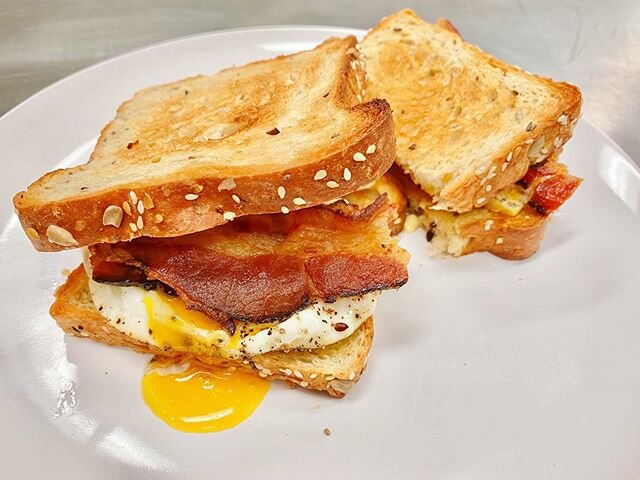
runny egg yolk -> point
(169, 320)
(172, 324)
(198, 399)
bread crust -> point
(510, 238)
(504, 163)
(333, 370)
(202, 197)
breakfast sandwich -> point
(477, 139)
(216, 228)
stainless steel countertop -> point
(591, 43)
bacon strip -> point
(265, 268)
(552, 186)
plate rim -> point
(12, 217)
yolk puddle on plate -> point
(193, 398)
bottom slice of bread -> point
(480, 230)
(333, 369)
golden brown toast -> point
(467, 124)
(333, 369)
(271, 136)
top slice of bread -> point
(466, 123)
(270, 136)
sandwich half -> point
(470, 131)
(214, 226)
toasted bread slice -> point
(466, 123)
(333, 369)
(271, 136)
(480, 230)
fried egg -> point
(193, 398)
(158, 319)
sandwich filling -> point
(544, 188)
(258, 284)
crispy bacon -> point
(552, 186)
(266, 267)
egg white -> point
(314, 327)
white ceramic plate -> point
(481, 368)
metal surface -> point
(591, 43)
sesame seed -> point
(359, 157)
(504, 166)
(229, 216)
(227, 184)
(126, 207)
(531, 126)
(258, 365)
(483, 181)
(284, 209)
(191, 196)
(158, 218)
(346, 174)
(487, 225)
(557, 142)
(140, 223)
(320, 174)
(332, 184)
(313, 375)
(304, 384)
(328, 378)
(297, 374)
(499, 240)
(562, 119)
(133, 197)
(299, 201)
(287, 371)
(262, 374)
(529, 141)
(197, 188)
(112, 216)
(510, 156)
(281, 192)
(480, 170)
(133, 227)
(370, 149)
(147, 201)
(235, 198)
(352, 375)
(488, 188)
(397, 221)
(140, 207)
(480, 200)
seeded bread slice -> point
(333, 369)
(466, 123)
(270, 136)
